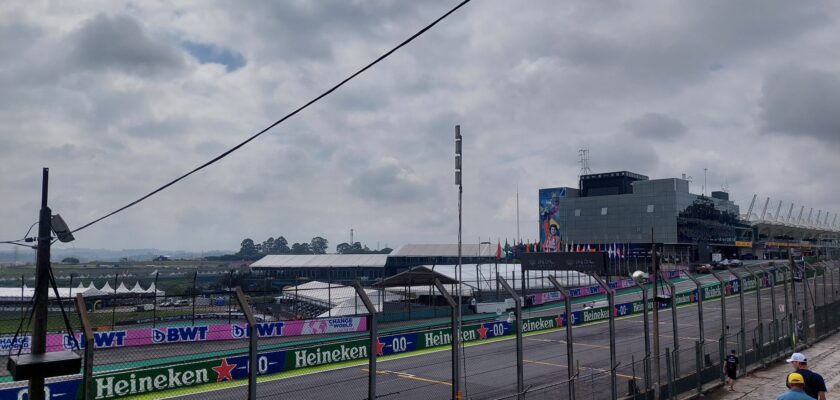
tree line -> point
(251, 250)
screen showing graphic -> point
(550, 219)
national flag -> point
(612, 250)
(499, 250)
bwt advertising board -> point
(591, 262)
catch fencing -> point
(259, 341)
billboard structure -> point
(550, 229)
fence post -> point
(611, 303)
(374, 339)
(723, 325)
(698, 365)
(520, 376)
(700, 295)
(670, 375)
(646, 320)
(252, 342)
(192, 294)
(774, 331)
(760, 339)
(87, 372)
(674, 323)
(456, 391)
(569, 318)
(743, 333)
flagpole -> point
(517, 213)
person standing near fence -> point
(814, 382)
(796, 391)
(730, 368)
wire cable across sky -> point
(278, 122)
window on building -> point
(650, 208)
(577, 212)
(604, 211)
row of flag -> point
(615, 250)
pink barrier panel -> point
(197, 333)
(583, 291)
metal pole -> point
(613, 365)
(154, 306)
(785, 277)
(42, 267)
(700, 293)
(645, 306)
(771, 280)
(570, 354)
(87, 372)
(192, 294)
(457, 329)
(374, 339)
(674, 324)
(805, 303)
(743, 332)
(252, 342)
(760, 347)
(520, 376)
(723, 325)
(656, 366)
(456, 394)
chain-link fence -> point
(190, 337)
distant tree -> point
(247, 249)
(281, 246)
(267, 246)
(70, 260)
(301, 248)
(386, 250)
(343, 248)
(318, 245)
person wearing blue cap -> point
(814, 382)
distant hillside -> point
(84, 255)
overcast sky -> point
(119, 97)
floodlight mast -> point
(456, 392)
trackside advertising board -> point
(197, 333)
(158, 379)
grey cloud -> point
(656, 126)
(802, 102)
(389, 182)
(705, 37)
(120, 43)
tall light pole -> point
(456, 338)
(654, 259)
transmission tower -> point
(583, 155)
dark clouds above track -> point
(119, 97)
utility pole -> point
(653, 258)
(42, 276)
(456, 375)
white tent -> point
(122, 289)
(107, 288)
(137, 288)
(81, 288)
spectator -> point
(730, 368)
(796, 385)
(814, 383)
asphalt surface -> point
(490, 367)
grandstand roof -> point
(321, 261)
